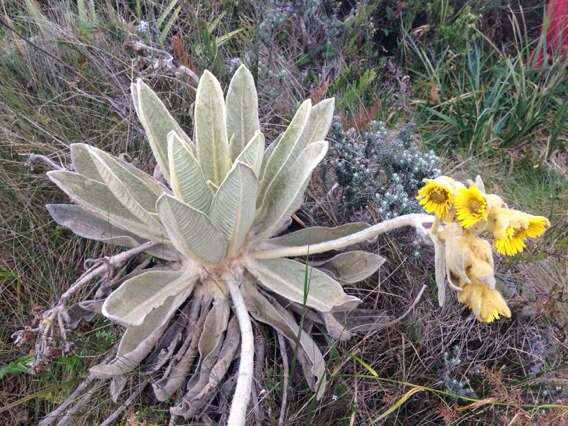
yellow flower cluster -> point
(462, 214)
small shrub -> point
(378, 172)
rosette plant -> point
(211, 213)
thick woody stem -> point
(415, 220)
(241, 397)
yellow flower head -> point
(513, 242)
(437, 195)
(537, 226)
(487, 304)
(471, 206)
(511, 228)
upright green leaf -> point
(157, 123)
(233, 208)
(210, 129)
(252, 154)
(285, 152)
(128, 190)
(137, 297)
(242, 110)
(286, 278)
(82, 161)
(319, 123)
(286, 196)
(191, 231)
(186, 177)
(97, 199)
(143, 187)
(140, 180)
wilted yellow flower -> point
(468, 257)
(471, 206)
(511, 228)
(487, 304)
(513, 242)
(437, 196)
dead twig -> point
(114, 416)
(32, 158)
(49, 317)
(167, 62)
(51, 417)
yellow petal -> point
(537, 226)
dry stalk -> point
(114, 416)
(102, 266)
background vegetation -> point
(451, 76)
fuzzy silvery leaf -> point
(137, 196)
(186, 177)
(82, 161)
(268, 152)
(319, 123)
(143, 186)
(242, 111)
(137, 297)
(252, 154)
(210, 129)
(315, 235)
(97, 199)
(92, 227)
(191, 231)
(284, 154)
(263, 310)
(285, 197)
(351, 266)
(233, 207)
(286, 277)
(138, 341)
(157, 123)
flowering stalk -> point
(416, 220)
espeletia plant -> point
(211, 213)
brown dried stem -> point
(96, 270)
(114, 416)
